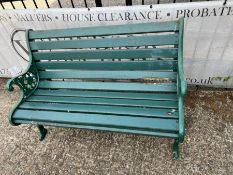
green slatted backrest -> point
(132, 51)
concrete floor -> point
(207, 149)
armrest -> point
(182, 85)
(27, 82)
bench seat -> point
(153, 114)
(124, 78)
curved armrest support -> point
(27, 82)
(181, 83)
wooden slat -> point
(106, 30)
(105, 101)
(106, 54)
(100, 109)
(146, 75)
(109, 65)
(97, 120)
(111, 129)
(104, 94)
(168, 87)
(154, 40)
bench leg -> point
(42, 132)
(175, 149)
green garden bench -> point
(123, 78)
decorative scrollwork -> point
(27, 82)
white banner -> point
(208, 38)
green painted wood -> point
(100, 109)
(181, 119)
(106, 54)
(83, 74)
(97, 120)
(163, 87)
(104, 101)
(181, 82)
(153, 40)
(120, 130)
(106, 30)
(109, 65)
(106, 94)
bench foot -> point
(42, 132)
(175, 149)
